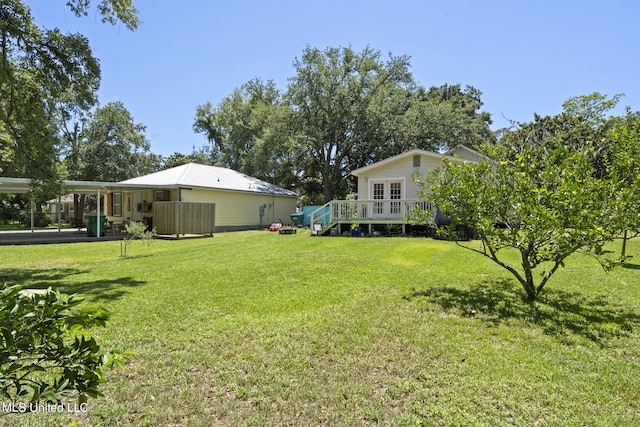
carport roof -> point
(191, 175)
(23, 185)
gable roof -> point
(195, 175)
(415, 151)
(451, 154)
(460, 147)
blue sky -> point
(525, 56)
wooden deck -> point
(366, 214)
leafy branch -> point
(46, 352)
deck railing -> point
(372, 211)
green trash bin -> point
(297, 218)
(92, 224)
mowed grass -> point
(255, 328)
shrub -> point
(40, 219)
(46, 352)
(136, 231)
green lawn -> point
(256, 328)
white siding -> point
(401, 169)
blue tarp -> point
(307, 210)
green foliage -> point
(112, 11)
(341, 111)
(41, 219)
(46, 77)
(625, 168)
(47, 352)
(591, 108)
(114, 147)
(440, 118)
(40, 68)
(9, 209)
(201, 156)
(136, 231)
(333, 93)
(545, 196)
(249, 132)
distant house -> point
(62, 208)
(387, 193)
(240, 202)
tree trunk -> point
(531, 292)
(528, 283)
(76, 204)
(623, 254)
(327, 186)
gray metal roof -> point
(195, 175)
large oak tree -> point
(44, 74)
(342, 110)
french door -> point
(389, 193)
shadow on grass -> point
(630, 266)
(56, 278)
(558, 313)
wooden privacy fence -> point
(184, 218)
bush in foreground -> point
(46, 353)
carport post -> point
(33, 207)
(58, 209)
(98, 215)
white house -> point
(62, 208)
(387, 192)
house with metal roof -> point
(211, 195)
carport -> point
(23, 186)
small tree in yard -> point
(625, 160)
(543, 197)
(136, 231)
(46, 352)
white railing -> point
(356, 211)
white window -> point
(162, 196)
(395, 193)
(378, 194)
(117, 204)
